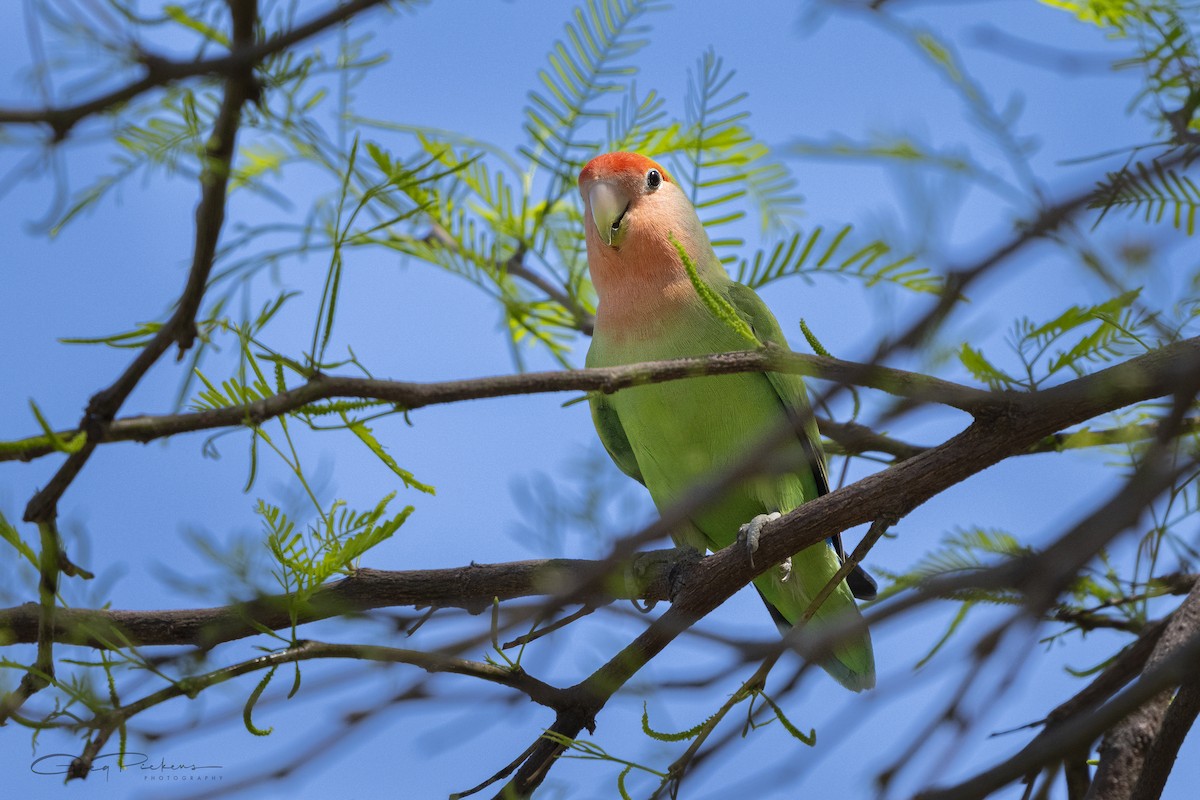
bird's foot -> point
(785, 570)
(748, 534)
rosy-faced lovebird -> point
(672, 435)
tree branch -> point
(704, 584)
(1124, 668)
(42, 509)
(890, 494)
(411, 395)
(1075, 723)
(162, 72)
(473, 588)
(1177, 723)
(180, 329)
(584, 322)
(1126, 745)
(1083, 726)
(853, 438)
(306, 650)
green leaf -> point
(590, 62)
(965, 550)
(1153, 190)
(180, 15)
(364, 434)
(250, 701)
(327, 308)
(10, 535)
(959, 617)
(381, 157)
(1102, 13)
(84, 201)
(326, 408)
(941, 55)
(624, 793)
(982, 369)
(870, 263)
(1075, 316)
(591, 751)
(809, 739)
(722, 162)
(327, 547)
(137, 338)
(718, 305)
(256, 161)
(812, 340)
(682, 736)
(72, 445)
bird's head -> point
(632, 208)
(624, 194)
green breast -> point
(684, 432)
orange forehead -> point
(619, 164)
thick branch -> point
(1180, 717)
(411, 395)
(1123, 669)
(1126, 745)
(1081, 729)
(1077, 723)
(849, 438)
(472, 587)
(708, 582)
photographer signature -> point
(60, 764)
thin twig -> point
(536, 690)
(160, 72)
(558, 624)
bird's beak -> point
(609, 204)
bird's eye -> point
(653, 179)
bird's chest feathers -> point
(684, 430)
(648, 314)
(644, 291)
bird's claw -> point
(785, 570)
(748, 534)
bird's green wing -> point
(612, 436)
(789, 387)
(791, 392)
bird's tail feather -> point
(852, 663)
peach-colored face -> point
(635, 216)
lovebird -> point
(669, 436)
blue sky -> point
(469, 67)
